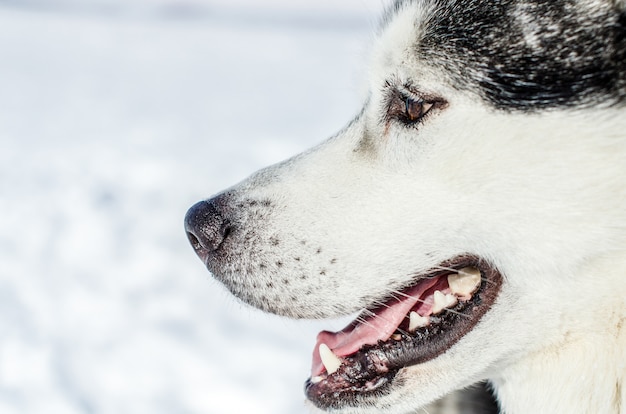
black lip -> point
(370, 373)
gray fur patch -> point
(528, 55)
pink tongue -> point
(378, 327)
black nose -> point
(206, 228)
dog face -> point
(474, 161)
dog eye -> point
(407, 110)
(415, 110)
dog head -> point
(457, 212)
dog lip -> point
(371, 370)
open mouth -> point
(416, 325)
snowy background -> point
(115, 117)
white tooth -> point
(451, 300)
(439, 302)
(465, 282)
(329, 359)
(316, 380)
(417, 321)
(442, 301)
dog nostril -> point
(206, 227)
(195, 243)
(226, 230)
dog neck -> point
(585, 369)
(582, 381)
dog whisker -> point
(364, 321)
(457, 313)
(488, 281)
(384, 319)
(383, 304)
(439, 267)
(407, 296)
(450, 269)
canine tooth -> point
(396, 337)
(465, 282)
(329, 359)
(442, 301)
(316, 380)
(417, 321)
(438, 302)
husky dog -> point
(474, 213)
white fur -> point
(541, 196)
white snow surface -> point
(115, 117)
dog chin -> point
(399, 397)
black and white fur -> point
(521, 160)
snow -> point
(115, 117)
